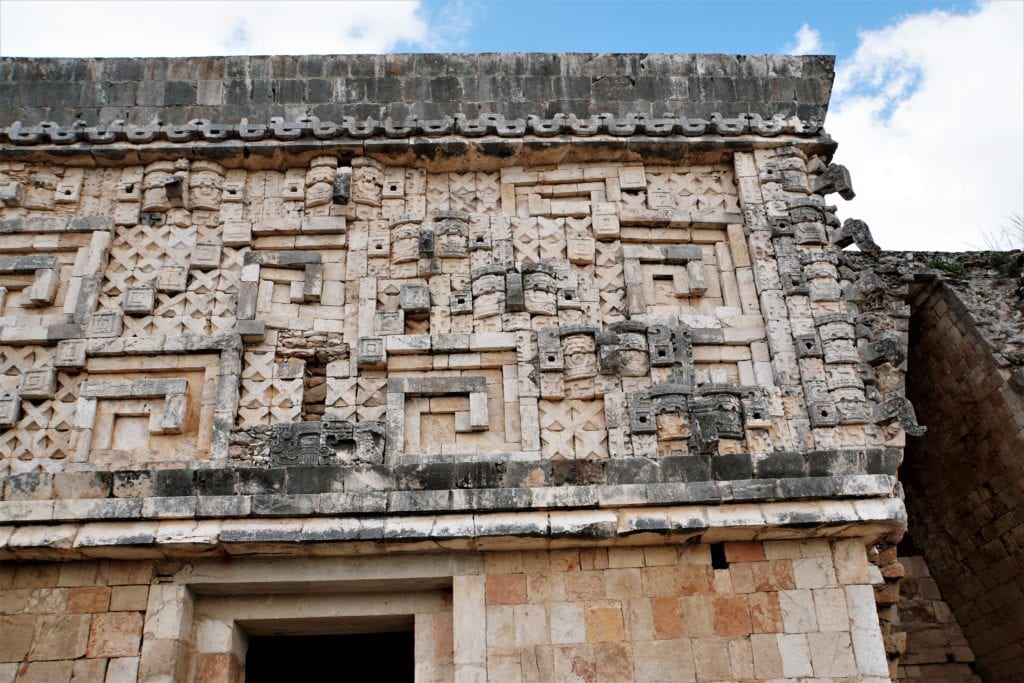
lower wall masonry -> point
(739, 611)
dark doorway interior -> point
(360, 657)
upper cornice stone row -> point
(425, 86)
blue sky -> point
(928, 104)
(737, 26)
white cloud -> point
(807, 42)
(928, 114)
(176, 29)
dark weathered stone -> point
(174, 483)
(427, 85)
(732, 466)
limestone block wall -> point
(777, 610)
(734, 611)
(963, 478)
(77, 620)
(936, 648)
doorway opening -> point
(385, 657)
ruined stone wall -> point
(963, 479)
(935, 646)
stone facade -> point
(567, 395)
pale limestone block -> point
(699, 613)
(664, 661)
(797, 609)
(296, 294)
(830, 609)
(501, 627)
(237, 233)
(38, 384)
(767, 659)
(632, 178)
(782, 550)
(795, 655)
(469, 619)
(472, 673)
(723, 582)
(741, 659)
(814, 572)
(568, 623)
(531, 625)
(173, 279)
(869, 652)
(139, 301)
(122, 670)
(860, 603)
(510, 383)
(730, 290)
(606, 226)
(492, 341)
(638, 619)
(168, 611)
(126, 214)
(748, 291)
(407, 343)
(85, 413)
(510, 667)
(529, 423)
(213, 635)
(832, 655)
(74, 290)
(851, 563)
(478, 413)
(738, 246)
(44, 287)
(104, 324)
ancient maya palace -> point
(486, 368)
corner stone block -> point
(106, 324)
(70, 353)
(172, 418)
(324, 225)
(38, 385)
(289, 370)
(370, 353)
(10, 409)
(237, 234)
(606, 226)
(414, 299)
(173, 279)
(205, 256)
(44, 287)
(389, 322)
(251, 330)
(632, 178)
(139, 301)
(580, 250)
